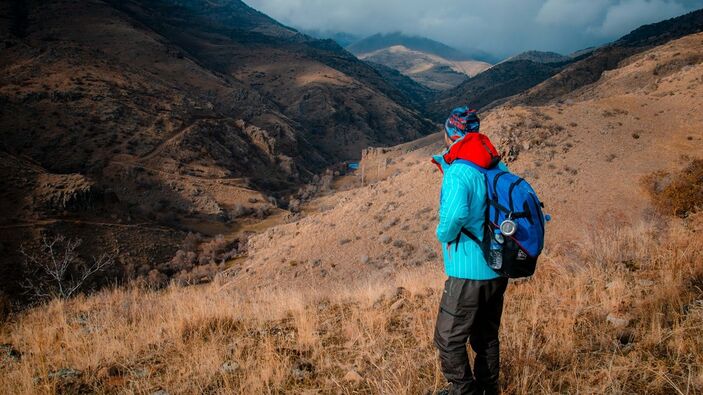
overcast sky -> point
(500, 27)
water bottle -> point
(496, 252)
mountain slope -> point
(500, 81)
(251, 57)
(343, 299)
(539, 57)
(428, 62)
(418, 94)
(589, 68)
(421, 44)
(498, 84)
(586, 159)
(428, 69)
(342, 38)
(188, 114)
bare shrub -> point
(183, 260)
(677, 194)
(239, 211)
(196, 263)
(199, 274)
(218, 249)
(326, 181)
(191, 241)
(56, 271)
(156, 279)
(294, 205)
(262, 212)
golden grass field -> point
(556, 337)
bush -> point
(55, 269)
(191, 242)
(5, 306)
(679, 194)
(156, 279)
(239, 211)
(217, 249)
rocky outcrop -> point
(73, 192)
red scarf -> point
(475, 148)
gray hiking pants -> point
(470, 310)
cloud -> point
(501, 27)
(571, 12)
(623, 17)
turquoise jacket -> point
(462, 203)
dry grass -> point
(555, 336)
(680, 193)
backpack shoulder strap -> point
(470, 235)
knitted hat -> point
(462, 120)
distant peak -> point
(380, 41)
(538, 57)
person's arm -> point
(502, 166)
(453, 208)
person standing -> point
(472, 302)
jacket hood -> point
(473, 147)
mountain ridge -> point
(538, 57)
(384, 40)
(532, 83)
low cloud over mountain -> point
(553, 25)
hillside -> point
(531, 80)
(499, 82)
(539, 57)
(418, 94)
(589, 146)
(188, 115)
(431, 70)
(421, 44)
(342, 38)
(589, 69)
(433, 64)
(343, 297)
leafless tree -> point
(55, 270)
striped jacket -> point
(462, 204)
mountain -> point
(500, 81)
(128, 121)
(422, 44)
(532, 80)
(342, 38)
(539, 57)
(418, 94)
(587, 158)
(428, 62)
(430, 70)
(581, 52)
(591, 66)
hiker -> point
(472, 302)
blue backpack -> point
(514, 228)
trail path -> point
(179, 133)
(44, 222)
(138, 161)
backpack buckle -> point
(508, 227)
